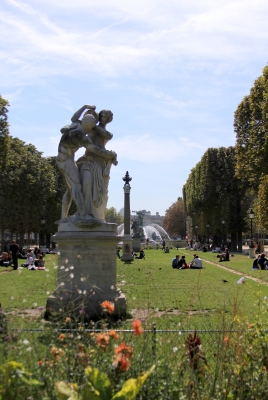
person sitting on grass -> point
(142, 254)
(175, 261)
(182, 263)
(5, 260)
(262, 261)
(118, 253)
(134, 254)
(29, 261)
(196, 263)
(225, 256)
(41, 263)
(255, 264)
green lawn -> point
(154, 290)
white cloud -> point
(126, 38)
(149, 149)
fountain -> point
(148, 230)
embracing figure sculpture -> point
(87, 179)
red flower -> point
(62, 336)
(122, 362)
(108, 306)
(137, 327)
(124, 350)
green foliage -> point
(212, 192)
(14, 381)
(251, 123)
(100, 387)
(112, 215)
(27, 183)
(175, 219)
(4, 135)
(261, 207)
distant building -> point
(152, 219)
(148, 218)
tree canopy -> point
(112, 215)
(175, 219)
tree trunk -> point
(2, 239)
(21, 241)
(35, 238)
(48, 240)
(239, 240)
(233, 242)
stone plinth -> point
(127, 249)
(87, 273)
(251, 252)
(136, 244)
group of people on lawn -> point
(34, 259)
(260, 262)
(180, 262)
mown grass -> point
(154, 290)
(198, 296)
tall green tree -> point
(112, 215)
(175, 219)
(251, 128)
(213, 193)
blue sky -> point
(172, 72)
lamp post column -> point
(251, 216)
(127, 240)
(223, 224)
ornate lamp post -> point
(223, 224)
(127, 240)
(208, 233)
(251, 216)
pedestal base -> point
(136, 244)
(127, 249)
(251, 252)
(86, 273)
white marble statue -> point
(87, 180)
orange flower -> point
(102, 340)
(137, 327)
(108, 306)
(53, 350)
(40, 362)
(67, 320)
(124, 350)
(114, 335)
(226, 340)
(62, 336)
(122, 362)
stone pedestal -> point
(251, 252)
(127, 249)
(136, 244)
(87, 273)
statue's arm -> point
(92, 148)
(103, 133)
(78, 113)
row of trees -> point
(227, 182)
(31, 186)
